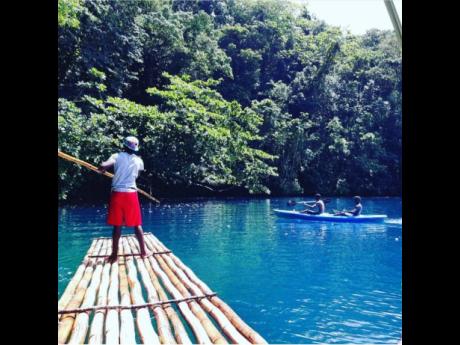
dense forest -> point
(228, 97)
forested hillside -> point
(228, 97)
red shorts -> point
(124, 209)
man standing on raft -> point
(124, 208)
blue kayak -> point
(329, 217)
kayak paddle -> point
(293, 203)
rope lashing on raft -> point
(131, 254)
(109, 238)
(135, 306)
(93, 168)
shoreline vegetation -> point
(197, 199)
(229, 98)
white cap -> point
(132, 143)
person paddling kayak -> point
(354, 212)
(124, 208)
(318, 205)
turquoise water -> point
(293, 281)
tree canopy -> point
(228, 96)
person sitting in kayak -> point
(124, 208)
(318, 204)
(354, 212)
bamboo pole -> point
(112, 323)
(70, 289)
(391, 8)
(239, 324)
(213, 333)
(127, 332)
(144, 325)
(81, 324)
(66, 323)
(96, 334)
(164, 329)
(82, 163)
(221, 319)
(179, 330)
(242, 327)
(195, 325)
(93, 168)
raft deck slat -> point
(98, 304)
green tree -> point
(68, 11)
(213, 146)
(300, 106)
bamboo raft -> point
(155, 300)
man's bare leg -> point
(309, 212)
(116, 234)
(140, 237)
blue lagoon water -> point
(293, 281)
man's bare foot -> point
(112, 258)
(144, 255)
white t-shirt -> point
(127, 167)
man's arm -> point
(107, 164)
(141, 169)
(307, 203)
(354, 211)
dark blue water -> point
(292, 280)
